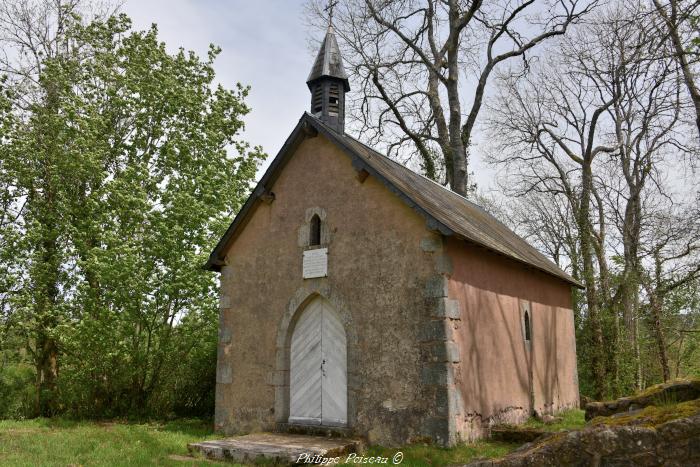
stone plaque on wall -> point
(315, 263)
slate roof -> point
(444, 210)
(329, 62)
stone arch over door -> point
(295, 309)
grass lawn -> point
(425, 455)
(573, 419)
(45, 442)
(54, 442)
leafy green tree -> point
(131, 167)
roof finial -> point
(329, 9)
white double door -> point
(318, 368)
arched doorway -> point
(318, 367)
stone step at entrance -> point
(279, 447)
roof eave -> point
(309, 125)
(344, 80)
(216, 259)
(432, 222)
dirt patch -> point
(109, 426)
(20, 431)
(516, 434)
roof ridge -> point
(447, 190)
(443, 189)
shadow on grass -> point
(572, 419)
(423, 454)
(190, 426)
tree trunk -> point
(656, 303)
(47, 376)
(629, 284)
(637, 351)
(45, 271)
(597, 355)
(457, 148)
(46, 354)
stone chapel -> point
(361, 297)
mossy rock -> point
(652, 415)
(681, 390)
(652, 443)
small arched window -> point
(315, 231)
(526, 319)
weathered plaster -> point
(377, 273)
(501, 377)
(435, 340)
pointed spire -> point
(328, 81)
(329, 63)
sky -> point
(265, 44)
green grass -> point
(54, 442)
(427, 455)
(57, 442)
(573, 419)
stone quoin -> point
(424, 317)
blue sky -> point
(265, 44)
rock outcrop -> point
(674, 443)
(661, 394)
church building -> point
(360, 297)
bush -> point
(17, 391)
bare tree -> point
(545, 220)
(672, 249)
(597, 126)
(424, 67)
(676, 17)
(648, 131)
(550, 141)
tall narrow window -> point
(315, 231)
(527, 325)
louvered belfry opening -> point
(317, 100)
(334, 100)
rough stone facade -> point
(434, 342)
(376, 278)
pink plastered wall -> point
(501, 377)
